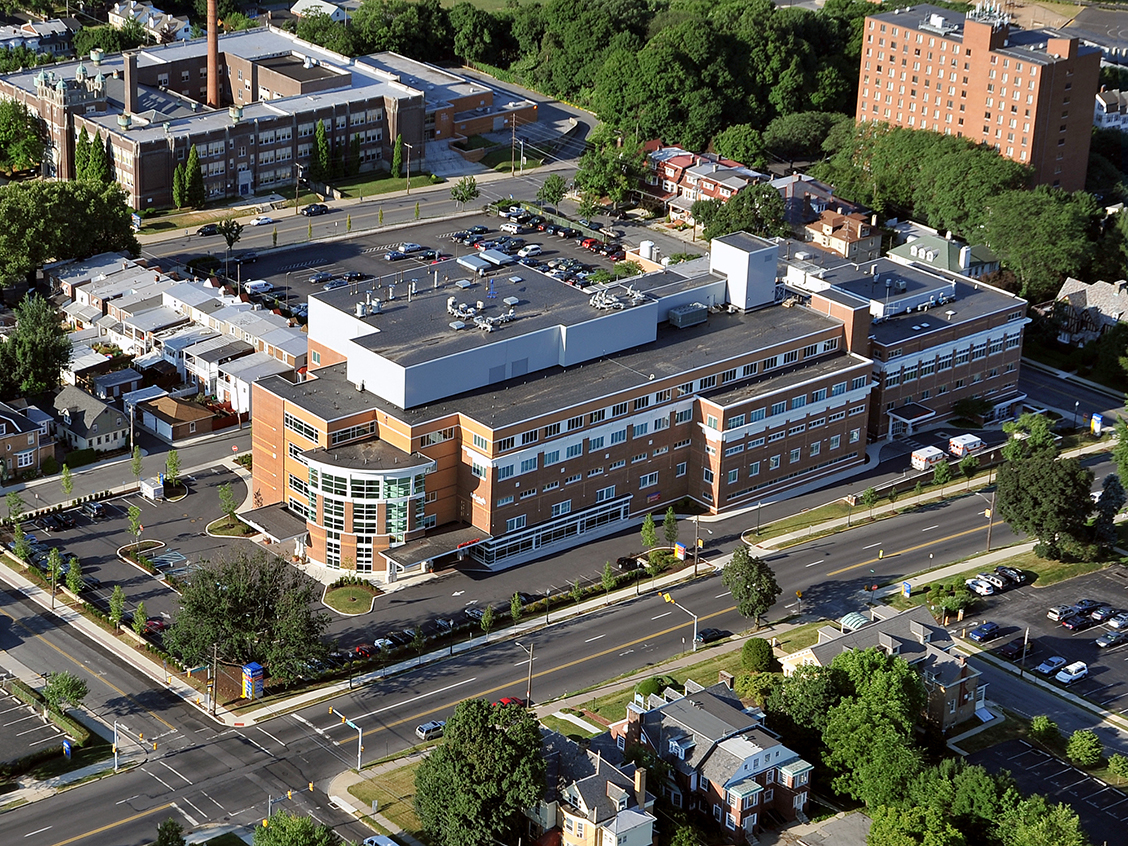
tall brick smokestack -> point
(213, 54)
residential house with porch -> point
(851, 235)
(955, 691)
(678, 178)
(725, 764)
(83, 422)
(1089, 309)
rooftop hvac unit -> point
(691, 314)
(456, 325)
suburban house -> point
(947, 255)
(678, 178)
(161, 27)
(805, 198)
(1088, 310)
(110, 386)
(590, 801)
(851, 235)
(1111, 110)
(724, 763)
(305, 8)
(83, 422)
(47, 38)
(175, 419)
(955, 692)
(23, 445)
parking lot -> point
(22, 731)
(290, 272)
(1017, 609)
(1103, 809)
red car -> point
(155, 625)
(588, 243)
(510, 700)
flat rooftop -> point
(295, 68)
(372, 455)
(329, 395)
(416, 331)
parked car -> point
(432, 255)
(992, 579)
(410, 247)
(262, 220)
(246, 257)
(987, 631)
(478, 230)
(510, 700)
(155, 625)
(208, 229)
(66, 519)
(432, 730)
(334, 284)
(1086, 604)
(1103, 613)
(627, 563)
(315, 209)
(980, 587)
(94, 510)
(49, 523)
(1050, 665)
(530, 250)
(583, 221)
(354, 276)
(321, 277)
(1074, 672)
(1059, 612)
(1112, 638)
(394, 255)
(708, 636)
(459, 236)
(569, 232)
(1015, 649)
(1078, 622)
(1012, 573)
(1120, 621)
(475, 612)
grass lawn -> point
(501, 159)
(228, 839)
(478, 142)
(1009, 729)
(371, 184)
(1051, 572)
(96, 749)
(350, 599)
(223, 526)
(801, 636)
(395, 792)
(566, 728)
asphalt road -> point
(1058, 393)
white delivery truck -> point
(927, 457)
(962, 445)
(258, 286)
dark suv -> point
(94, 510)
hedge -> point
(80, 457)
(32, 697)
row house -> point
(52, 38)
(158, 25)
(678, 178)
(725, 765)
(1110, 109)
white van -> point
(962, 445)
(927, 457)
(512, 228)
(258, 286)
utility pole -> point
(215, 675)
(408, 166)
(513, 149)
(529, 685)
(696, 541)
(990, 520)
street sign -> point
(799, 594)
(1095, 424)
(234, 448)
(679, 551)
(906, 589)
(67, 747)
(352, 725)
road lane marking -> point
(930, 528)
(917, 547)
(872, 545)
(91, 833)
(158, 778)
(813, 563)
(254, 742)
(186, 815)
(213, 801)
(597, 637)
(721, 595)
(130, 799)
(271, 736)
(174, 772)
(196, 809)
(38, 831)
(667, 614)
(416, 698)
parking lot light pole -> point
(529, 684)
(408, 166)
(671, 600)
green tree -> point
(81, 153)
(231, 230)
(968, 796)
(285, 829)
(1043, 729)
(1108, 506)
(1047, 498)
(969, 465)
(117, 605)
(742, 143)
(685, 835)
(23, 137)
(195, 194)
(752, 584)
(608, 578)
(515, 608)
(553, 189)
(757, 209)
(76, 584)
(1028, 434)
(611, 167)
(417, 210)
(139, 618)
(65, 690)
(802, 701)
(1033, 821)
(1118, 766)
(253, 610)
(800, 135)
(170, 833)
(179, 187)
(670, 527)
(576, 591)
(135, 526)
(66, 482)
(487, 620)
(465, 191)
(419, 643)
(136, 463)
(757, 656)
(227, 503)
(649, 532)
(912, 827)
(892, 495)
(887, 683)
(99, 168)
(471, 790)
(869, 499)
(397, 160)
(1084, 748)
(319, 163)
(36, 350)
(941, 475)
(873, 759)
(172, 468)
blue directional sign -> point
(67, 747)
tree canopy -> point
(752, 584)
(23, 137)
(1048, 498)
(757, 209)
(256, 609)
(471, 790)
(285, 829)
(35, 352)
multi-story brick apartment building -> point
(542, 416)
(677, 178)
(934, 338)
(1028, 93)
(272, 88)
(724, 763)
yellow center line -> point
(919, 546)
(138, 816)
(79, 664)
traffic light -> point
(330, 709)
(667, 597)
(289, 794)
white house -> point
(162, 27)
(304, 8)
(1111, 110)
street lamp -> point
(1076, 406)
(989, 513)
(529, 685)
(408, 166)
(297, 179)
(671, 600)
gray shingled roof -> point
(1108, 299)
(83, 409)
